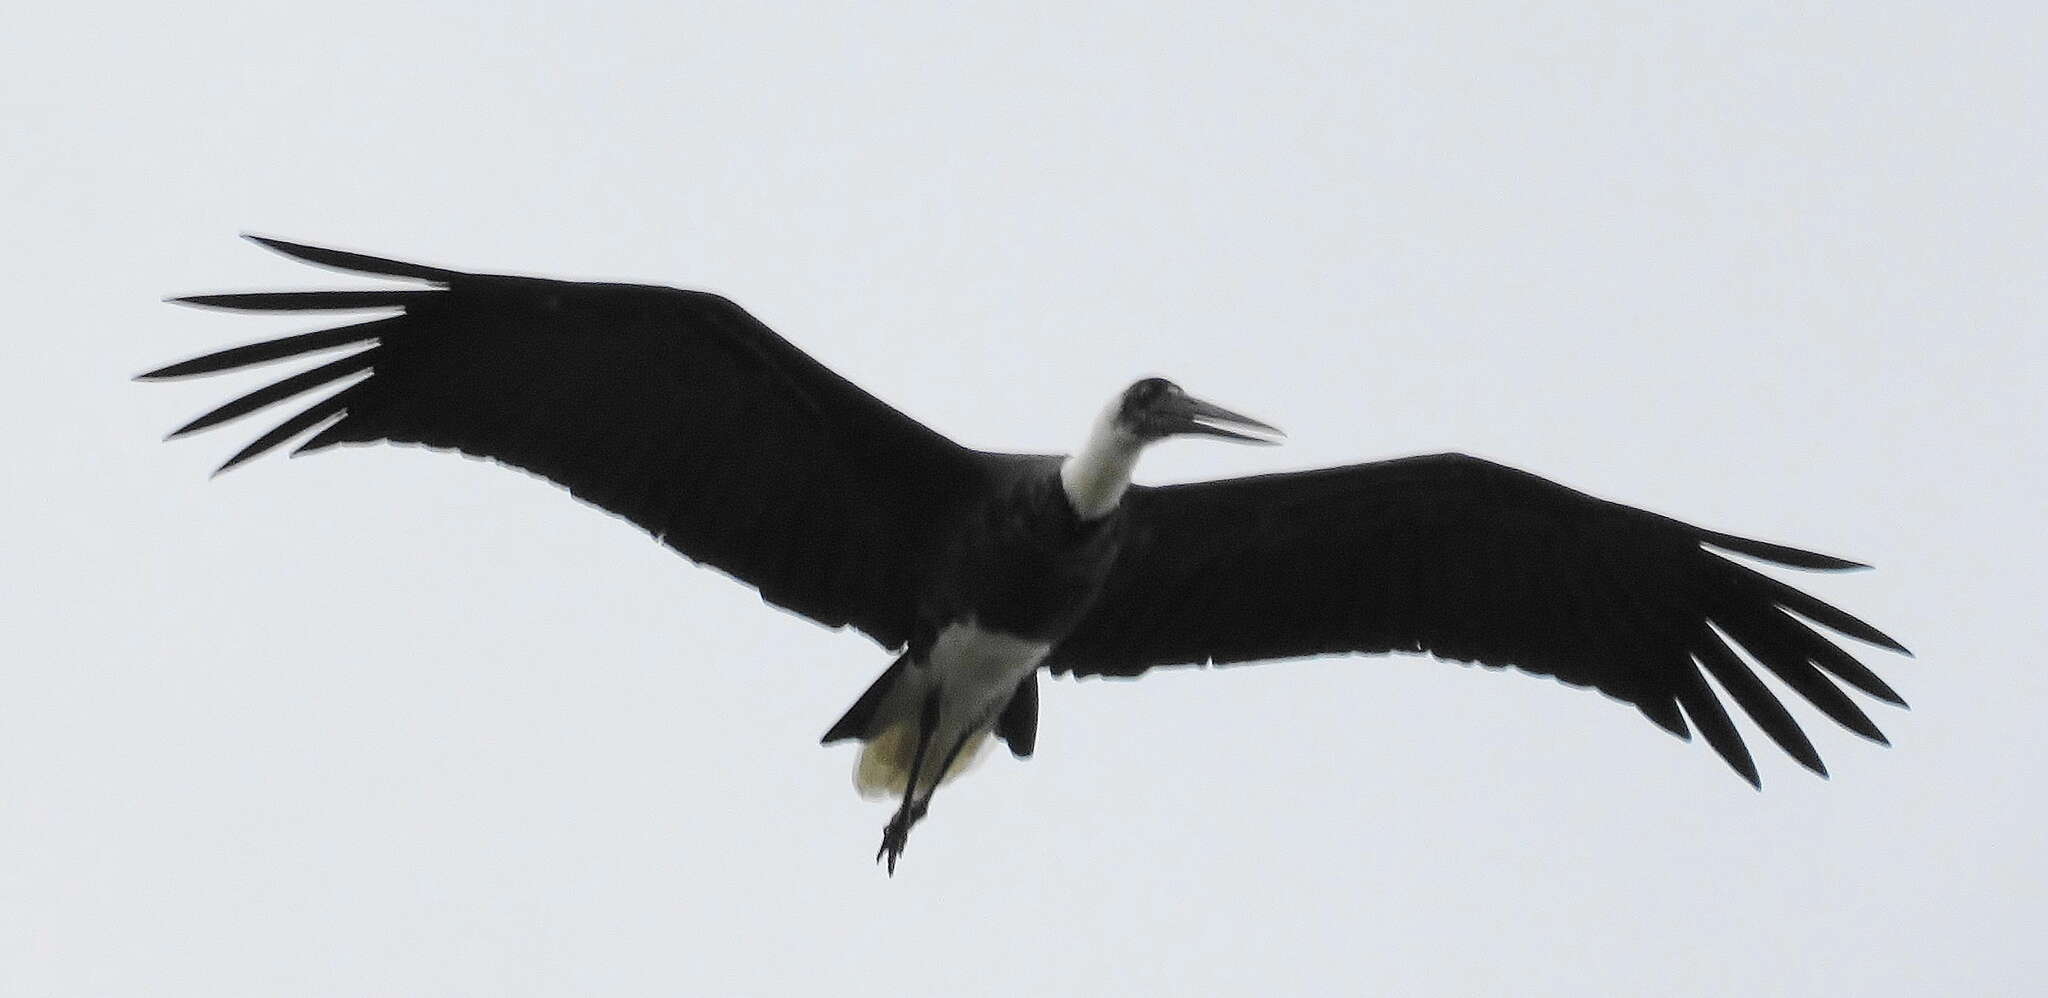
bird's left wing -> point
(674, 409)
(1472, 561)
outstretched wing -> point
(674, 409)
(1475, 562)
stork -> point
(682, 413)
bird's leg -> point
(952, 755)
(896, 834)
(911, 813)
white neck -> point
(1096, 477)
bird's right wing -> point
(1472, 561)
(674, 409)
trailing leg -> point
(896, 834)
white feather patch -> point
(883, 769)
(1095, 477)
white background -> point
(388, 722)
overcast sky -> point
(391, 722)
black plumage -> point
(682, 413)
(674, 409)
(1475, 562)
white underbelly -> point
(976, 667)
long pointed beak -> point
(1209, 420)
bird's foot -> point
(896, 834)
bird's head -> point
(1153, 409)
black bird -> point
(682, 413)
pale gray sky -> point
(390, 722)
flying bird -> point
(682, 413)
